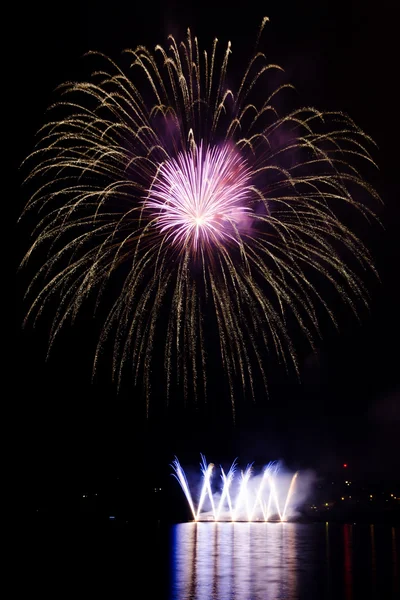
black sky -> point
(340, 56)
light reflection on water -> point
(283, 561)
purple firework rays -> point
(201, 197)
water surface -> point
(212, 561)
(283, 561)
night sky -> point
(340, 56)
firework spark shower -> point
(178, 194)
(271, 495)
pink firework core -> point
(202, 197)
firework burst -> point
(210, 204)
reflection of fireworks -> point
(205, 200)
(265, 499)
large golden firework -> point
(205, 202)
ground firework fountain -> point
(240, 495)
